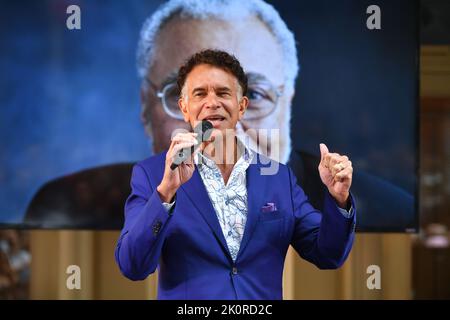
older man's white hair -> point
(219, 9)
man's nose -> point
(212, 101)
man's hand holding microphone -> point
(180, 165)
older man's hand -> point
(336, 173)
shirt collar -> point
(246, 156)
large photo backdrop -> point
(80, 106)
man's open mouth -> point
(215, 118)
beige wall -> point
(435, 71)
(54, 251)
(391, 252)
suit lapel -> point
(196, 192)
(256, 190)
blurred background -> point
(413, 266)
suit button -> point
(156, 227)
(234, 270)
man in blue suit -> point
(219, 225)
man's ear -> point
(183, 107)
(243, 104)
(143, 98)
(290, 93)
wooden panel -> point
(53, 251)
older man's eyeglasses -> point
(263, 98)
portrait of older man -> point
(254, 32)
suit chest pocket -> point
(270, 216)
(270, 227)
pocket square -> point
(269, 207)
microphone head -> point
(204, 130)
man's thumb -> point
(323, 151)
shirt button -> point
(230, 233)
(234, 270)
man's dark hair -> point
(216, 58)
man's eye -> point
(199, 94)
(254, 94)
(223, 94)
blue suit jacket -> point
(190, 250)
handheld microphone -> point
(203, 130)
